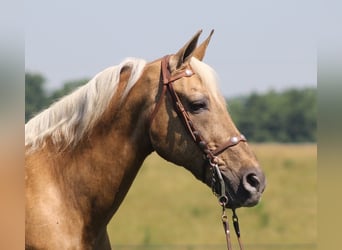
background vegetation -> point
(167, 208)
(289, 116)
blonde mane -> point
(70, 118)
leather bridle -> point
(167, 81)
(218, 184)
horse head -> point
(190, 126)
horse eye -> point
(198, 106)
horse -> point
(84, 151)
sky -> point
(257, 45)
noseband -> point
(218, 185)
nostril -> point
(253, 184)
(253, 180)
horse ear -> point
(199, 52)
(185, 53)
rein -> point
(218, 185)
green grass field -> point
(166, 205)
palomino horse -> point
(84, 151)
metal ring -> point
(224, 218)
(223, 200)
(213, 161)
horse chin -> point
(238, 203)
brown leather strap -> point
(232, 141)
(167, 79)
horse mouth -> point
(245, 191)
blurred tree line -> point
(287, 116)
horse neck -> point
(102, 168)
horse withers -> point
(83, 152)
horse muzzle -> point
(245, 190)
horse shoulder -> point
(47, 218)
